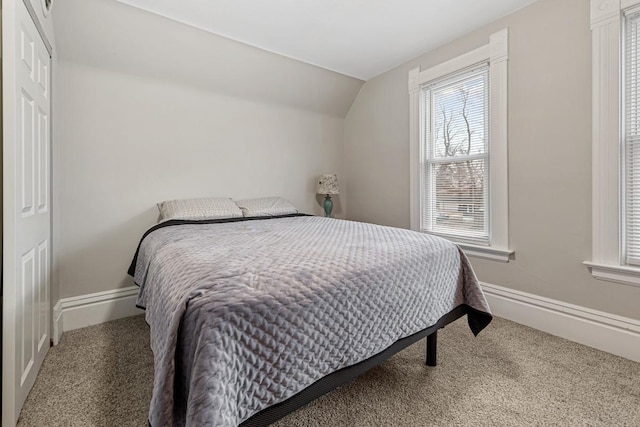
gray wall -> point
(549, 154)
(156, 110)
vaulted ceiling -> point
(359, 38)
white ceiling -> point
(359, 38)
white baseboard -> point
(614, 334)
(92, 309)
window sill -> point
(615, 273)
(486, 252)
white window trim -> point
(606, 26)
(496, 52)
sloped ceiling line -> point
(358, 38)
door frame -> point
(10, 411)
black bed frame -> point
(336, 379)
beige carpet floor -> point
(510, 375)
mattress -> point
(245, 313)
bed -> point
(251, 318)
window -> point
(615, 28)
(455, 141)
(459, 150)
(631, 93)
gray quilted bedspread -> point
(245, 314)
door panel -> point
(33, 225)
(25, 331)
(26, 122)
(26, 210)
(43, 162)
(43, 295)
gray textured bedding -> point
(245, 314)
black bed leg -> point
(432, 349)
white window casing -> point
(612, 216)
(495, 54)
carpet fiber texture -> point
(510, 375)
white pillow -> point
(194, 209)
(266, 206)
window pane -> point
(459, 202)
(632, 141)
(459, 118)
(455, 201)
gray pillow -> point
(205, 208)
(266, 206)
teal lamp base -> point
(328, 206)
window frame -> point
(496, 54)
(607, 25)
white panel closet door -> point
(26, 210)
